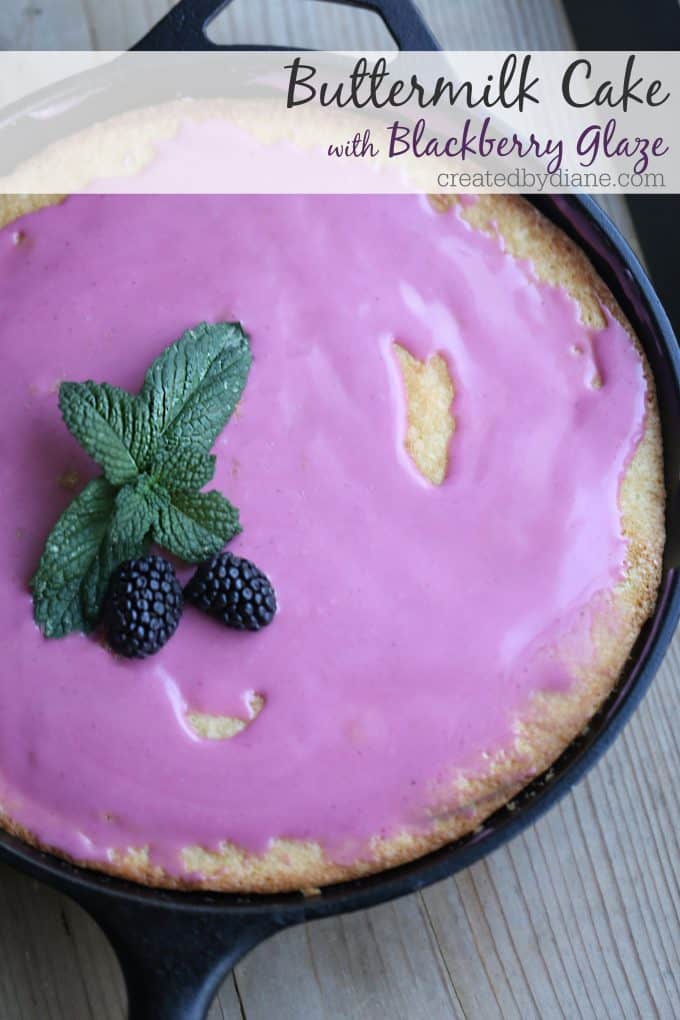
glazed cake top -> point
(428, 462)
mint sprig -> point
(154, 451)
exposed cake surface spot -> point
(222, 727)
(430, 424)
(69, 480)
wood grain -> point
(577, 918)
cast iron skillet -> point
(175, 948)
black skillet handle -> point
(174, 959)
(183, 28)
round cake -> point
(447, 460)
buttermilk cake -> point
(447, 464)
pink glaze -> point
(415, 622)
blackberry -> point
(143, 606)
(234, 591)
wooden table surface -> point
(579, 917)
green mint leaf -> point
(94, 535)
(112, 425)
(126, 538)
(192, 388)
(134, 513)
(182, 467)
(193, 525)
(72, 548)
